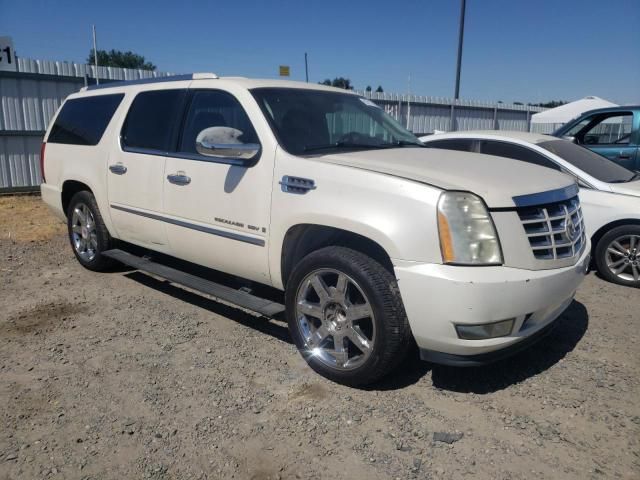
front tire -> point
(617, 255)
(88, 234)
(346, 316)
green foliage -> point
(379, 89)
(550, 104)
(339, 82)
(368, 89)
(116, 58)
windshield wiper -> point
(327, 146)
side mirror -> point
(222, 142)
(570, 138)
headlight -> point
(467, 233)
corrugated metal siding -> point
(545, 127)
(28, 104)
(31, 97)
(19, 161)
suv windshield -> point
(595, 165)
(312, 121)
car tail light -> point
(44, 144)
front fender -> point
(397, 214)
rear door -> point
(218, 209)
(136, 167)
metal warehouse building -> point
(30, 96)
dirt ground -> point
(122, 376)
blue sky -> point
(515, 50)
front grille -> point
(556, 230)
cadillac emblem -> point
(570, 228)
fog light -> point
(486, 330)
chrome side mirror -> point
(222, 142)
(570, 138)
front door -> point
(219, 209)
(612, 135)
(136, 168)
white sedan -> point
(609, 193)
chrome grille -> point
(556, 230)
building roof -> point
(569, 111)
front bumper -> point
(437, 297)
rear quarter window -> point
(82, 121)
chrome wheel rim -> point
(83, 232)
(335, 319)
(623, 258)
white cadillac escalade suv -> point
(376, 241)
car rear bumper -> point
(439, 297)
(52, 196)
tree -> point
(368, 89)
(339, 82)
(517, 103)
(379, 89)
(551, 104)
(116, 58)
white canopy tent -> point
(549, 120)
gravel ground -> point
(123, 376)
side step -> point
(222, 292)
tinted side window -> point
(82, 121)
(151, 120)
(508, 150)
(611, 129)
(212, 108)
(461, 145)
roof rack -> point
(171, 78)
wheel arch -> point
(302, 239)
(69, 189)
(595, 238)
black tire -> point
(393, 336)
(97, 262)
(601, 253)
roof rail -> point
(171, 78)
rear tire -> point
(346, 316)
(88, 234)
(617, 255)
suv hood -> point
(497, 180)
(629, 188)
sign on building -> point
(284, 70)
(7, 55)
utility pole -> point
(460, 40)
(408, 100)
(306, 67)
(95, 53)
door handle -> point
(118, 169)
(624, 156)
(179, 178)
